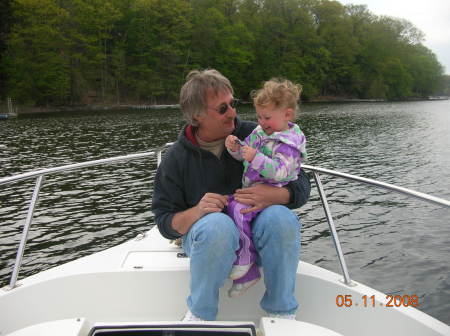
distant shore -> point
(26, 110)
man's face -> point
(218, 120)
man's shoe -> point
(189, 317)
(237, 289)
(283, 316)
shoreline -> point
(30, 110)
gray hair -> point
(194, 92)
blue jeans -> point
(211, 244)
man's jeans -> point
(211, 244)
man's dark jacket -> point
(187, 172)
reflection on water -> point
(394, 244)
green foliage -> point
(425, 70)
(5, 24)
(445, 86)
(114, 51)
(36, 62)
(157, 48)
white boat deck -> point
(268, 326)
(142, 282)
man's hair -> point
(199, 83)
(278, 92)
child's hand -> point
(248, 153)
(231, 143)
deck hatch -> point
(178, 329)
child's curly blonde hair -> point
(278, 92)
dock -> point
(11, 110)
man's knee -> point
(215, 229)
(278, 221)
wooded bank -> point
(61, 52)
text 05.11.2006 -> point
(369, 301)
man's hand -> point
(231, 143)
(211, 202)
(261, 196)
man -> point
(190, 193)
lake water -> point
(394, 244)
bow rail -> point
(40, 175)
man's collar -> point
(190, 135)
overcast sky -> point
(432, 17)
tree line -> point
(68, 52)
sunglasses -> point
(223, 108)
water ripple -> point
(391, 243)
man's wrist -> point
(279, 195)
(285, 195)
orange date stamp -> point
(369, 301)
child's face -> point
(273, 119)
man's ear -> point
(199, 117)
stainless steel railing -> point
(40, 175)
(375, 183)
